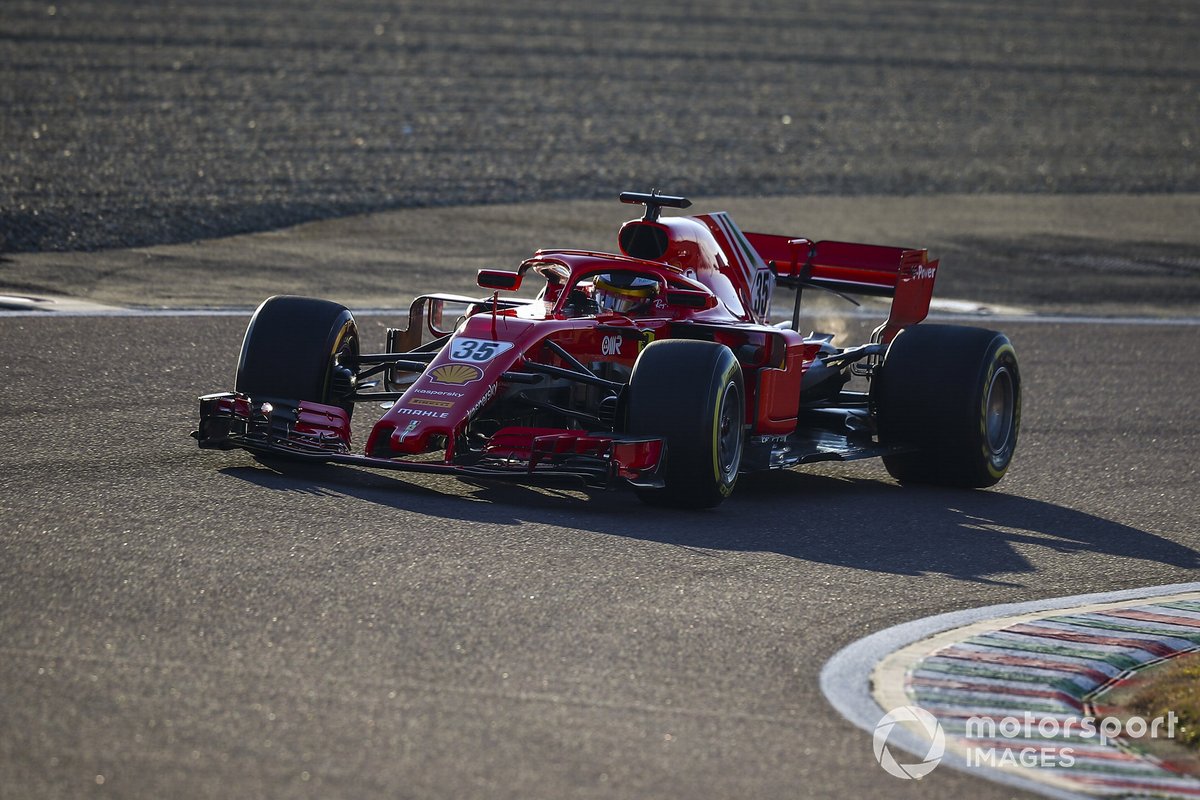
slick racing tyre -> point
(691, 393)
(295, 348)
(954, 394)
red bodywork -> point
(905, 275)
(715, 283)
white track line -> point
(978, 319)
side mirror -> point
(446, 315)
(499, 279)
(690, 298)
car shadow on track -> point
(878, 525)
(843, 519)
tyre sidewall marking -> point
(1005, 355)
(724, 483)
(347, 330)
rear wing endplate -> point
(900, 273)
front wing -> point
(321, 433)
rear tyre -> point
(691, 393)
(299, 348)
(955, 394)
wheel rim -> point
(999, 411)
(729, 433)
(340, 381)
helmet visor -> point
(610, 296)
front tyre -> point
(299, 348)
(692, 394)
(953, 393)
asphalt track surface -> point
(179, 623)
(191, 624)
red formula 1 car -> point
(656, 368)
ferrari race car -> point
(656, 368)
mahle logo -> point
(916, 719)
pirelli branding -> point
(430, 402)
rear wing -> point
(902, 274)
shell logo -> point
(455, 374)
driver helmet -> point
(623, 292)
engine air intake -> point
(646, 241)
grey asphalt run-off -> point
(139, 124)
